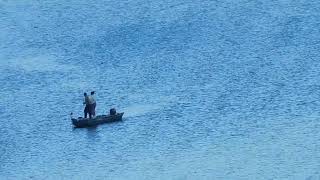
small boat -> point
(101, 119)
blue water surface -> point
(210, 89)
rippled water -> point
(210, 89)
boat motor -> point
(113, 111)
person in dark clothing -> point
(87, 109)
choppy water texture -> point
(210, 89)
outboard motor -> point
(113, 111)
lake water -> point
(210, 89)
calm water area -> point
(209, 89)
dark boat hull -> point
(101, 119)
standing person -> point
(93, 103)
(87, 108)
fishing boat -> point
(81, 122)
